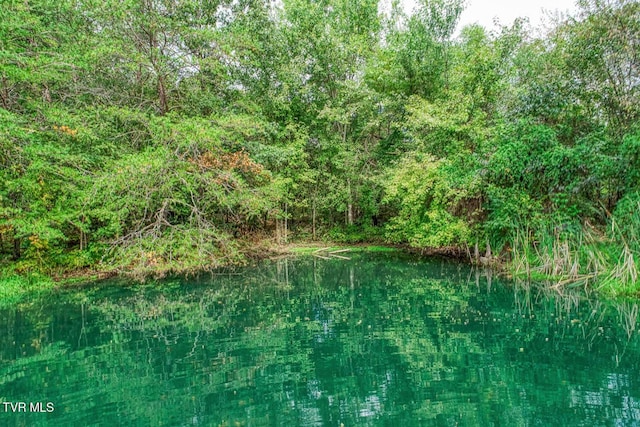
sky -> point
(483, 12)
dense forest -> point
(176, 135)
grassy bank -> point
(17, 286)
(15, 289)
(584, 258)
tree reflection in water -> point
(374, 340)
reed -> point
(583, 257)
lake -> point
(379, 339)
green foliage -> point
(545, 180)
(422, 47)
(602, 47)
(195, 193)
(630, 151)
(164, 135)
(626, 221)
(15, 288)
(420, 189)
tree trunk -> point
(313, 218)
(16, 249)
(349, 205)
(46, 95)
(285, 223)
(4, 93)
(162, 94)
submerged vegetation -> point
(175, 135)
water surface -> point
(377, 340)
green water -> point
(380, 339)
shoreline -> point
(18, 287)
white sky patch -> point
(485, 12)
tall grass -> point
(583, 257)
